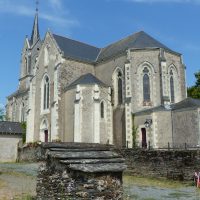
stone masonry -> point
(175, 165)
(80, 171)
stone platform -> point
(80, 171)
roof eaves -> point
(79, 81)
(87, 61)
(155, 48)
(10, 133)
(17, 93)
(121, 53)
(150, 110)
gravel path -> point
(17, 180)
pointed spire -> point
(35, 36)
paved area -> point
(17, 180)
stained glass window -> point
(120, 98)
(46, 93)
(172, 88)
(146, 85)
(102, 110)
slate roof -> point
(150, 110)
(76, 50)
(18, 93)
(139, 40)
(186, 103)
(11, 128)
(86, 79)
(84, 52)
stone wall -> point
(74, 185)
(186, 127)
(179, 165)
(8, 147)
(78, 171)
(30, 153)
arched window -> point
(146, 85)
(117, 91)
(172, 87)
(102, 109)
(46, 56)
(26, 65)
(22, 113)
(46, 93)
(29, 64)
(120, 98)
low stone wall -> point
(30, 153)
(63, 184)
(8, 147)
(177, 165)
(80, 171)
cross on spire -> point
(37, 5)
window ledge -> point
(147, 103)
(43, 112)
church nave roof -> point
(81, 51)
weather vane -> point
(37, 5)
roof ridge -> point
(75, 40)
(86, 79)
(98, 55)
(122, 39)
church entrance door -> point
(46, 137)
(144, 138)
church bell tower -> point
(29, 54)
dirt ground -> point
(17, 181)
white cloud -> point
(57, 17)
(58, 20)
(56, 4)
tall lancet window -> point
(26, 66)
(46, 93)
(102, 109)
(172, 87)
(146, 85)
(120, 98)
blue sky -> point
(174, 23)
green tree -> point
(197, 76)
(2, 114)
(23, 125)
(194, 91)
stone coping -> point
(77, 145)
(85, 157)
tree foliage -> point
(194, 91)
(2, 114)
(197, 76)
(23, 125)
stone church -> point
(70, 91)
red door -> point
(46, 135)
(144, 138)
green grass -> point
(2, 183)
(162, 183)
(24, 197)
